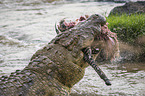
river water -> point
(28, 25)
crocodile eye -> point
(97, 15)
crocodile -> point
(54, 69)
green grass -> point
(127, 27)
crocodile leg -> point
(88, 58)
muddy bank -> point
(132, 32)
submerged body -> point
(54, 69)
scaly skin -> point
(54, 69)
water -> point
(28, 25)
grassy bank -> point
(127, 27)
(130, 29)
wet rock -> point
(129, 8)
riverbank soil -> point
(130, 30)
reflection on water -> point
(28, 25)
(125, 81)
